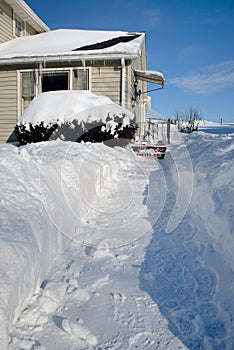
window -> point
(80, 79)
(53, 81)
(19, 27)
(27, 88)
(34, 82)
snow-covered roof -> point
(27, 14)
(71, 44)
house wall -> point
(29, 30)
(140, 105)
(105, 79)
(6, 22)
(8, 76)
(8, 104)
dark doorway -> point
(54, 81)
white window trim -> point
(16, 17)
(70, 78)
(19, 95)
(89, 76)
(65, 69)
(54, 70)
(38, 84)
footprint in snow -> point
(78, 330)
(118, 296)
(72, 285)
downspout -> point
(123, 75)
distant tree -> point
(194, 114)
(177, 117)
(188, 121)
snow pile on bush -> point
(77, 115)
(47, 191)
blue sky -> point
(190, 42)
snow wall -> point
(77, 177)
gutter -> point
(64, 58)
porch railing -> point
(154, 131)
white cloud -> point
(153, 17)
(192, 50)
(210, 78)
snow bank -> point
(47, 191)
(56, 193)
(66, 106)
(189, 266)
(208, 123)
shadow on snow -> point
(185, 276)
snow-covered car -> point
(76, 115)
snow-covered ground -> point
(217, 128)
(101, 249)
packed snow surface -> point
(101, 249)
(67, 106)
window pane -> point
(54, 81)
(27, 84)
(25, 102)
(80, 79)
(27, 88)
(19, 27)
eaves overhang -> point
(14, 61)
(28, 15)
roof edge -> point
(65, 58)
(28, 12)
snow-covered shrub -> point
(75, 116)
(29, 133)
(115, 134)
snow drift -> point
(189, 269)
(47, 192)
(171, 279)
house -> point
(104, 62)
(16, 20)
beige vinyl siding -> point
(29, 30)
(106, 81)
(8, 104)
(6, 24)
